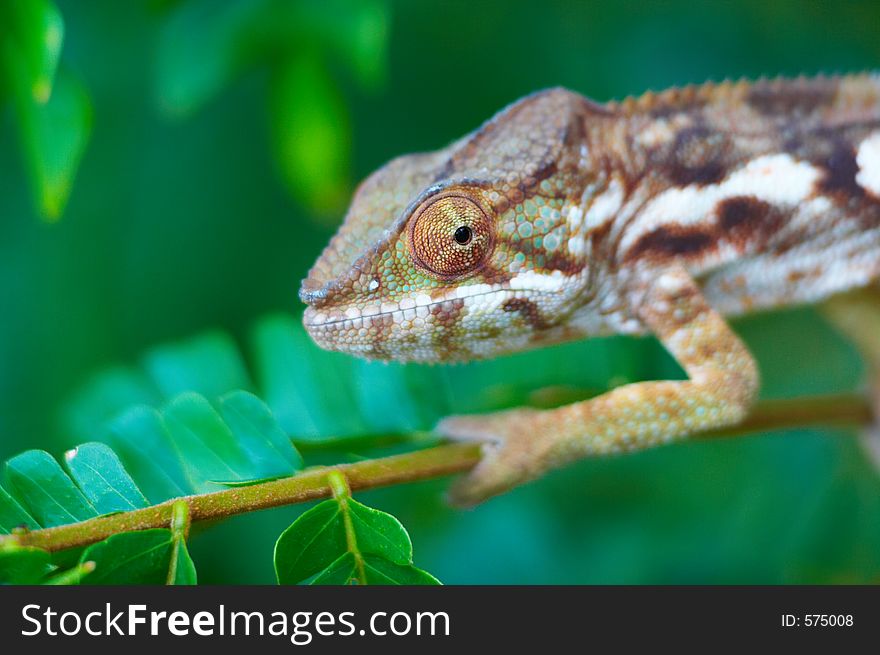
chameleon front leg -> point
(522, 444)
(857, 316)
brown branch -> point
(423, 464)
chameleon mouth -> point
(422, 306)
(471, 321)
(386, 314)
(429, 332)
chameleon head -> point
(467, 252)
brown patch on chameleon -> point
(698, 157)
(561, 218)
(528, 310)
(672, 241)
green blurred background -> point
(225, 140)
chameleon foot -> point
(515, 450)
(522, 444)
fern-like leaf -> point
(188, 446)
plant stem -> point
(179, 531)
(342, 494)
(71, 576)
(309, 485)
(439, 461)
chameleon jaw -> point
(423, 329)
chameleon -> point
(563, 218)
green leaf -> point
(54, 134)
(311, 543)
(37, 30)
(143, 557)
(202, 48)
(73, 576)
(311, 133)
(183, 571)
(142, 441)
(41, 486)
(248, 483)
(206, 445)
(395, 398)
(186, 447)
(269, 449)
(379, 533)
(24, 565)
(99, 473)
(309, 391)
(380, 571)
(209, 364)
(249, 447)
(103, 397)
(13, 515)
(363, 33)
(342, 571)
(319, 542)
(377, 571)
(354, 32)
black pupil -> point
(463, 235)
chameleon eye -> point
(463, 235)
(450, 236)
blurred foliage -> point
(174, 226)
(51, 107)
(205, 46)
(189, 446)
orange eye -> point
(450, 236)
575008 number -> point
(817, 620)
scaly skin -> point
(561, 219)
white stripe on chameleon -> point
(529, 280)
(605, 206)
(577, 245)
(575, 217)
(634, 202)
(469, 290)
(671, 283)
(583, 160)
(831, 264)
(868, 159)
(777, 179)
(818, 221)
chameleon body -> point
(561, 218)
